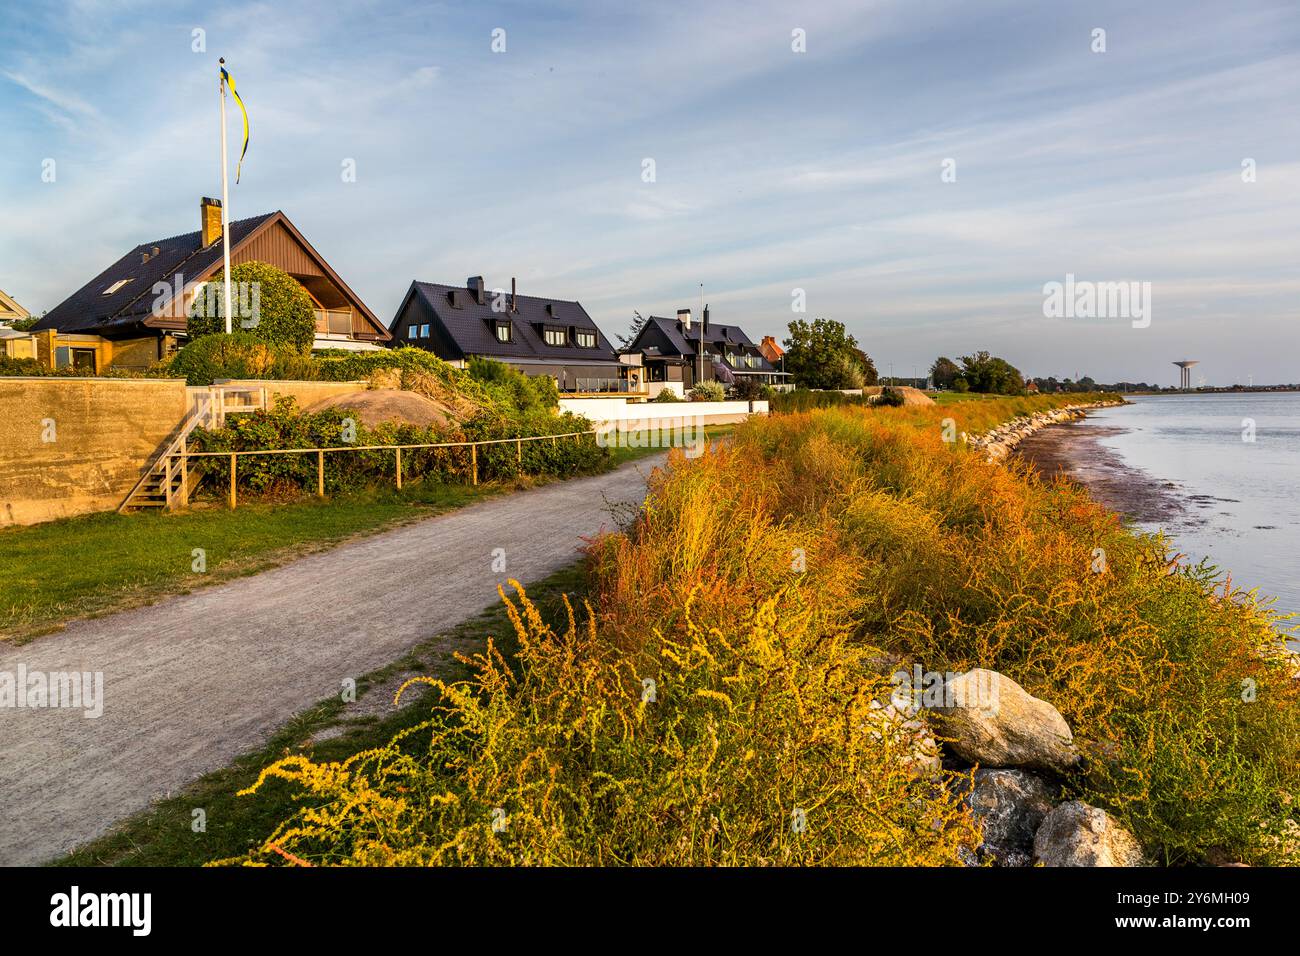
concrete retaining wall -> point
(305, 393)
(69, 446)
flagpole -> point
(225, 192)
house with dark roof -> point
(134, 312)
(536, 335)
(677, 353)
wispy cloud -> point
(775, 169)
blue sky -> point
(774, 170)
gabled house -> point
(11, 311)
(537, 336)
(13, 343)
(134, 312)
(671, 351)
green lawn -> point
(84, 566)
(164, 834)
(90, 565)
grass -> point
(95, 564)
(759, 591)
(164, 835)
(138, 558)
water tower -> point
(1185, 373)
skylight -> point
(115, 286)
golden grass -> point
(757, 591)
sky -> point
(919, 170)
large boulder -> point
(994, 722)
(1076, 834)
(1010, 806)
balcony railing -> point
(334, 321)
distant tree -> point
(25, 325)
(821, 354)
(869, 374)
(989, 374)
(638, 323)
(943, 371)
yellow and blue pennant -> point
(230, 81)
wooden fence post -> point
(473, 463)
(519, 453)
(185, 477)
(320, 474)
(232, 480)
(399, 469)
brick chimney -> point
(209, 221)
(475, 286)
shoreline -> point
(1077, 455)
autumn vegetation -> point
(713, 701)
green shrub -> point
(269, 304)
(748, 389)
(667, 396)
(804, 400)
(890, 397)
(509, 385)
(238, 355)
(21, 366)
(284, 426)
(709, 391)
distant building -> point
(13, 343)
(670, 351)
(134, 312)
(771, 351)
(534, 334)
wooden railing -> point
(184, 456)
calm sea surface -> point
(1241, 499)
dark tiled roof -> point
(470, 326)
(89, 310)
(718, 340)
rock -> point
(993, 722)
(1076, 834)
(1010, 806)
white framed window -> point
(503, 331)
(424, 331)
(555, 337)
(115, 286)
(585, 338)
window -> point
(586, 339)
(424, 331)
(503, 331)
(115, 286)
(555, 337)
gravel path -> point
(194, 681)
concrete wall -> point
(620, 410)
(305, 393)
(69, 446)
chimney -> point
(514, 302)
(684, 318)
(705, 320)
(209, 221)
(475, 285)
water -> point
(1239, 499)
